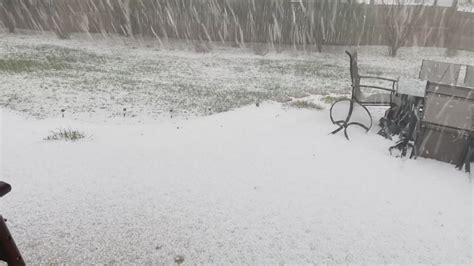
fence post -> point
(452, 30)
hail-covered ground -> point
(173, 176)
(99, 77)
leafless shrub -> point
(261, 49)
(202, 47)
(400, 22)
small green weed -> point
(306, 105)
(332, 99)
(66, 135)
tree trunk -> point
(134, 9)
(121, 11)
(56, 21)
(393, 49)
(9, 9)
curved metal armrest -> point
(381, 78)
(376, 87)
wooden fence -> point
(314, 23)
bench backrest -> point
(469, 80)
(354, 71)
(449, 106)
(439, 72)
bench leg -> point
(344, 124)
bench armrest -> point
(381, 78)
(376, 87)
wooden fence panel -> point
(276, 22)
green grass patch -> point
(66, 135)
(19, 65)
(48, 58)
(332, 99)
(68, 55)
(308, 68)
(306, 105)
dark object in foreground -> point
(4, 188)
(362, 95)
(8, 249)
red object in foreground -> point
(8, 249)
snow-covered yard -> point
(98, 78)
(255, 185)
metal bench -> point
(363, 94)
(403, 119)
(447, 123)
